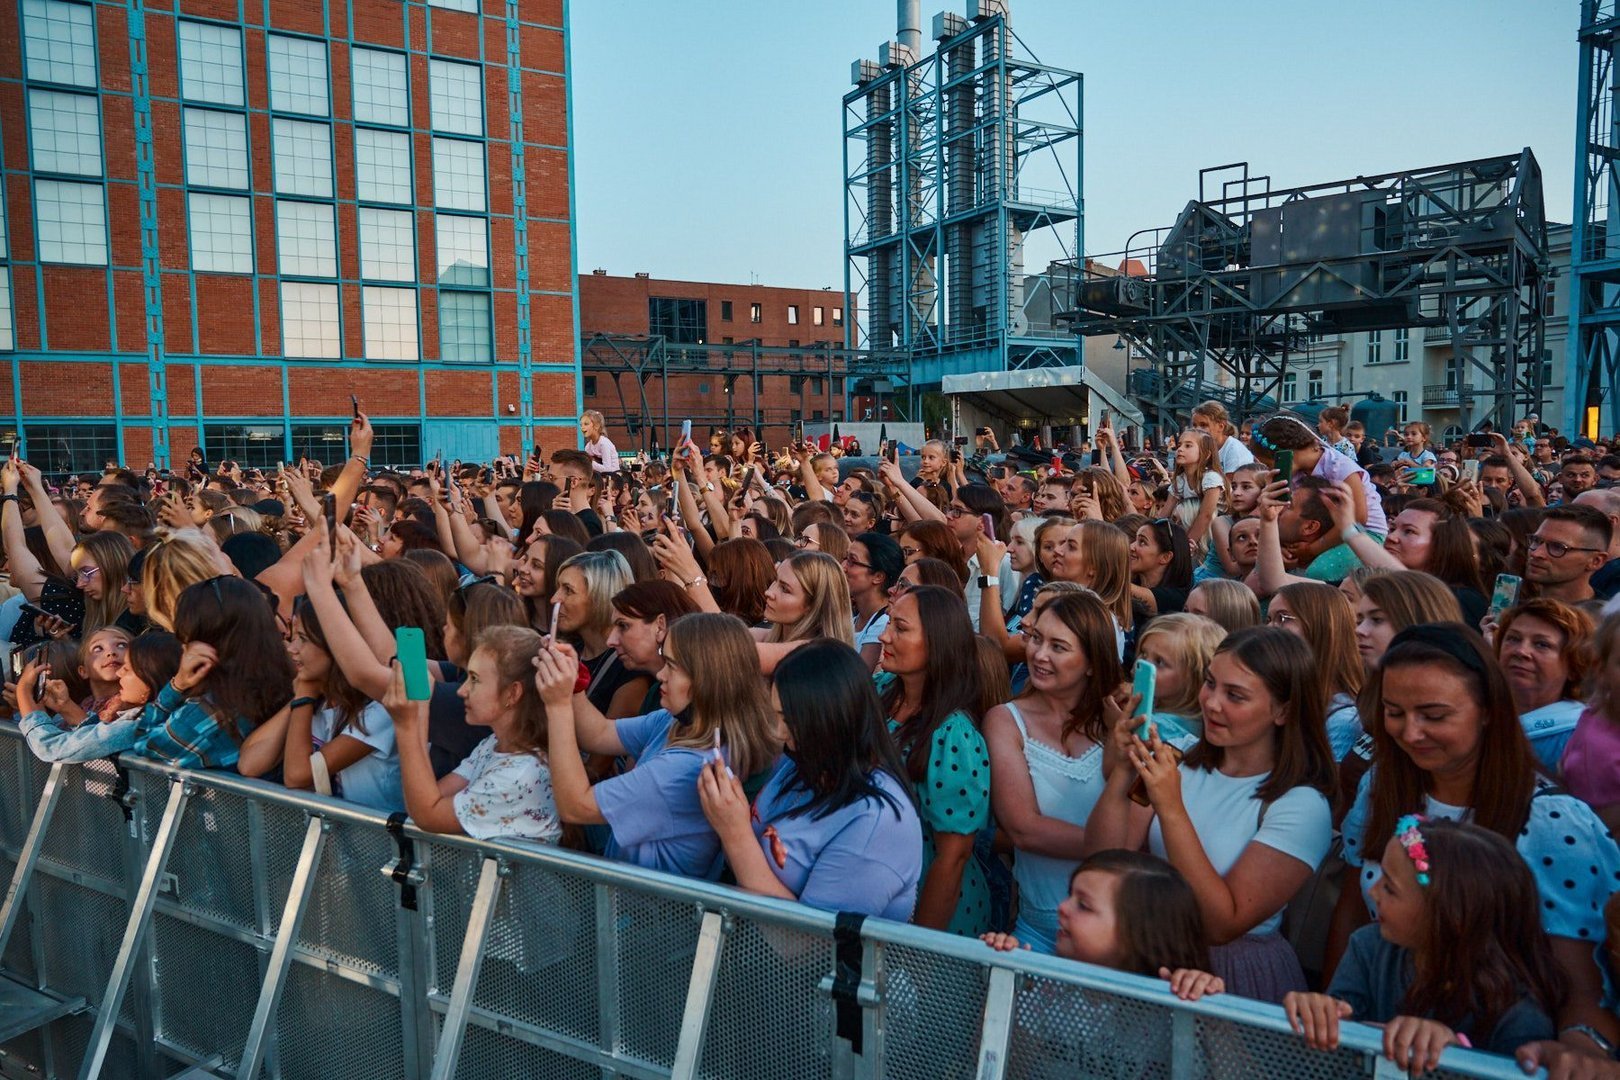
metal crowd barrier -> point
(161, 922)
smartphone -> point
(556, 614)
(883, 434)
(18, 662)
(1480, 439)
(1144, 681)
(1285, 473)
(960, 440)
(354, 401)
(34, 611)
(1504, 596)
(748, 480)
(674, 510)
(1096, 455)
(1470, 470)
(1421, 476)
(411, 648)
(686, 432)
(329, 509)
(989, 523)
(894, 453)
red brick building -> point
(726, 393)
(370, 197)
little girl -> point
(1313, 457)
(1330, 425)
(101, 661)
(1180, 647)
(1458, 956)
(1197, 484)
(1415, 437)
(1134, 912)
(1245, 482)
(331, 739)
(149, 662)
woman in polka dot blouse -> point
(1448, 744)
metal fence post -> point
(140, 918)
(998, 1006)
(32, 846)
(607, 973)
(446, 1058)
(699, 996)
(1183, 1046)
(275, 975)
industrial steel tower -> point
(962, 179)
(1594, 310)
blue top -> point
(653, 809)
(1548, 729)
(173, 729)
(1575, 862)
(865, 857)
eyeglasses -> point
(1556, 548)
(1281, 618)
(954, 512)
(803, 542)
(851, 560)
(85, 573)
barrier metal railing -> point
(161, 922)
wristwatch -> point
(1351, 530)
(989, 581)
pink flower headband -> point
(1406, 831)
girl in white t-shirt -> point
(1245, 814)
(1197, 485)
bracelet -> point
(1353, 529)
(695, 582)
(10, 498)
(300, 702)
(364, 461)
(1592, 1033)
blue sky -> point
(708, 135)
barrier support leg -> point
(997, 1031)
(275, 976)
(1183, 1046)
(699, 996)
(140, 919)
(607, 973)
(448, 1055)
(29, 856)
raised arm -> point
(58, 537)
(913, 504)
(1116, 456)
(1341, 503)
(26, 573)
(1270, 568)
(1533, 495)
(347, 485)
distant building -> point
(294, 202)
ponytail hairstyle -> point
(1216, 413)
(513, 649)
(1483, 948)
(1158, 920)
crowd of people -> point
(1373, 784)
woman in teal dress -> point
(929, 682)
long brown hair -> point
(1329, 623)
(337, 692)
(728, 695)
(938, 542)
(1284, 664)
(405, 596)
(1157, 917)
(1083, 614)
(951, 682)
(1452, 558)
(1106, 551)
(1505, 770)
(1483, 948)
(741, 569)
(253, 678)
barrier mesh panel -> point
(211, 863)
(1229, 1051)
(452, 879)
(769, 1017)
(207, 986)
(935, 1011)
(657, 939)
(19, 958)
(70, 1038)
(351, 909)
(87, 830)
(1065, 1031)
(17, 805)
(81, 938)
(486, 1054)
(282, 835)
(330, 1027)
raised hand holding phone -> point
(411, 647)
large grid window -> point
(679, 321)
(298, 75)
(8, 319)
(463, 246)
(216, 149)
(455, 5)
(396, 445)
(325, 443)
(390, 316)
(309, 320)
(380, 87)
(72, 222)
(458, 174)
(255, 446)
(211, 63)
(66, 132)
(457, 97)
(303, 158)
(59, 40)
(60, 449)
(387, 245)
(464, 327)
(306, 242)
(221, 233)
(382, 166)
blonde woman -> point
(183, 559)
(1230, 603)
(586, 586)
(653, 811)
(100, 566)
(808, 599)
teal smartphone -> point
(1143, 683)
(1505, 595)
(1285, 473)
(1420, 477)
(411, 649)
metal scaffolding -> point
(1594, 309)
(640, 359)
(958, 166)
(1248, 273)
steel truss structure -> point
(642, 359)
(954, 164)
(1242, 278)
(1594, 309)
